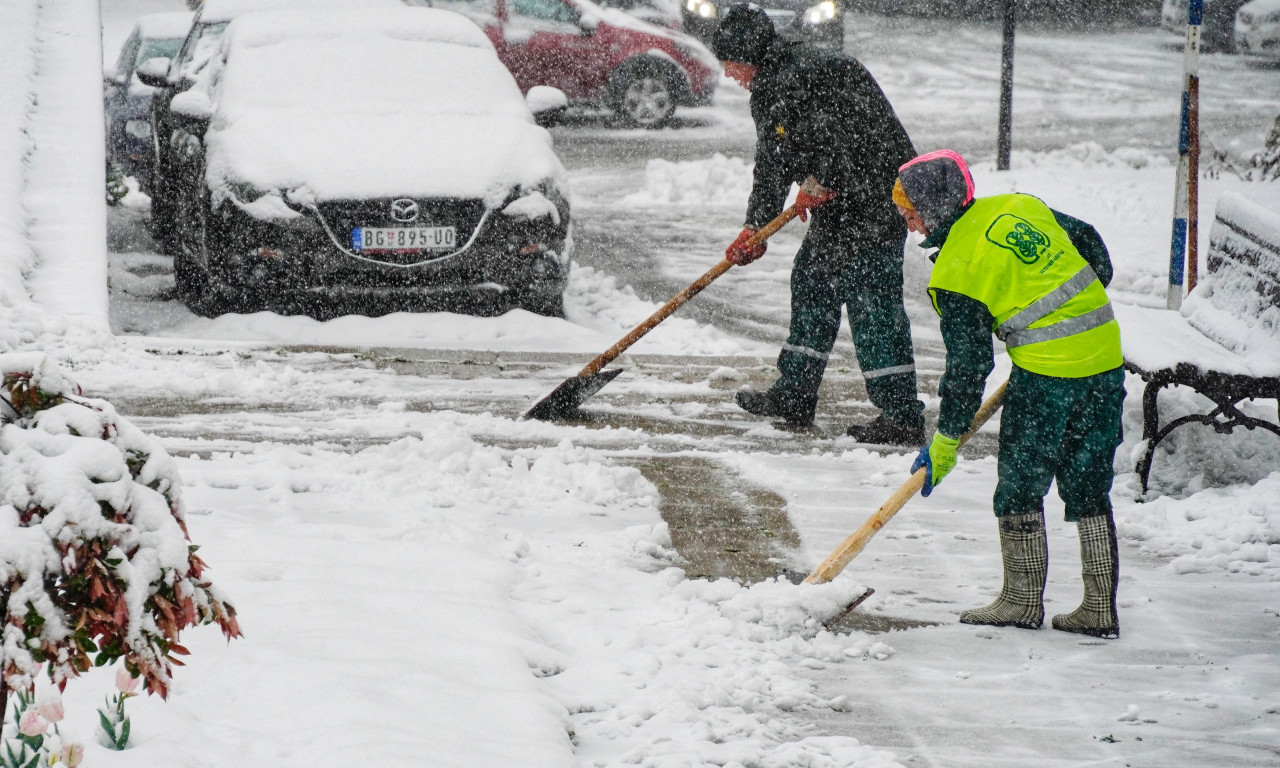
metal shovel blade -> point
(573, 392)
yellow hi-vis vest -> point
(1050, 309)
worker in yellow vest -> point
(1010, 266)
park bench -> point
(1225, 341)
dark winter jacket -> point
(821, 114)
(966, 328)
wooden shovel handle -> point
(849, 548)
(606, 357)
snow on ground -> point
(448, 589)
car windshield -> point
(550, 10)
(201, 44)
(152, 49)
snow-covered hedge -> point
(95, 561)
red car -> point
(601, 55)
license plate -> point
(402, 238)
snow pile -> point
(94, 556)
(445, 467)
(1228, 305)
(718, 181)
(1234, 528)
(693, 672)
(1195, 456)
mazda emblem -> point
(404, 210)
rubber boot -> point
(797, 411)
(1099, 566)
(883, 431)
(1026, 562)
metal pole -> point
(1004, 141)
(1184, 188)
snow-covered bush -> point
(95, 561)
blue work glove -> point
(938, 458)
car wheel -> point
(160, 225)
(644, 96)
(543, 303)
(196, 286)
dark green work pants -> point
(830, 273)
(1064, 429)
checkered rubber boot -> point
(1026, 561)
(1099, 559)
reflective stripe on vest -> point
(1015, 332)
(1063, 328)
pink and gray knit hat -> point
(938, 185)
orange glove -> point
(742, 254)
(806, 202)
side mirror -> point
(192, 105)
(547, 104)
(588, 23)
(154, 72)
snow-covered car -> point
(363, 162)
(172, 75)
(596, 55)
(1217, 27)
(128, 101)
(1258, 28)
(820, 22)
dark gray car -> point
(128, 101)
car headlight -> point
(138, 128)
(703, 8)
(823, 11)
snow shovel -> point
(849, 548)
(573, 392)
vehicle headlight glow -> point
(703, 8)
(823, 11)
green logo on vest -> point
(1018, 235)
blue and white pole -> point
(1185, 230)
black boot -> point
(883, 431)
(771, 404)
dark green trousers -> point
(830, 273)
(1064, 429)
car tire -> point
(160, 224)
(644, 94)
(195, 285)
(550, 304)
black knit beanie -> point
(744, 35)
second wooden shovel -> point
(573, 392)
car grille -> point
(341, 218)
